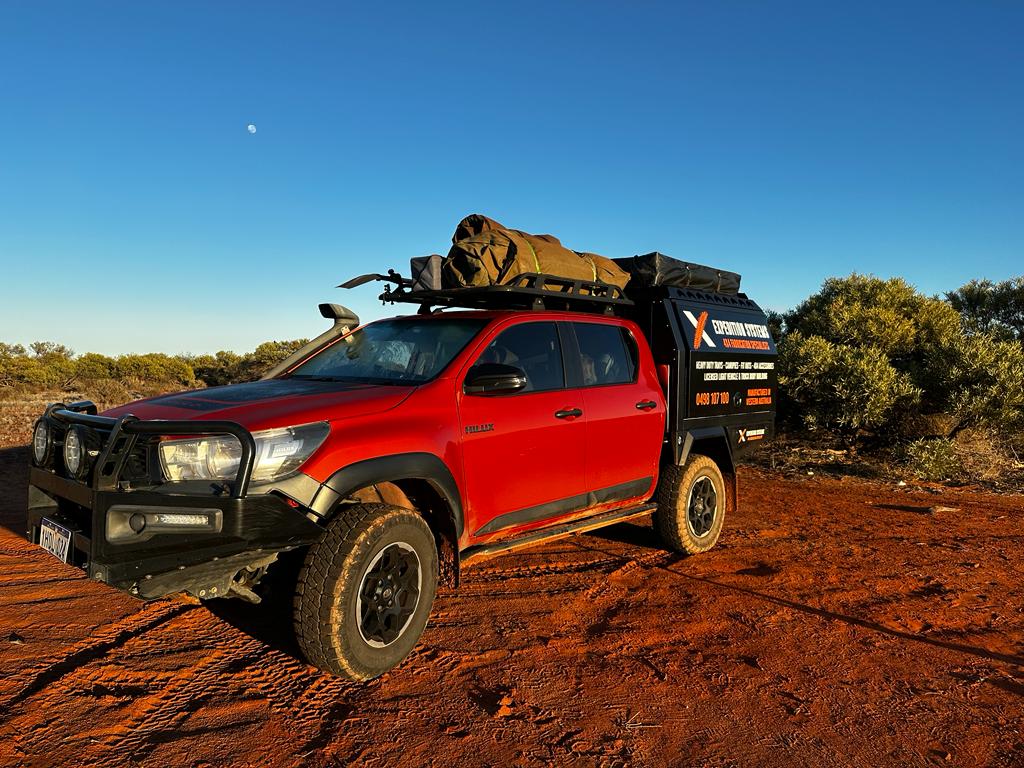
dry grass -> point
(980, 458)
(988, 458)
(19, 411)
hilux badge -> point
(473, 428)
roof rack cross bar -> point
(529, 290)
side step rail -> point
(555, 532)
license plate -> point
(55, 539)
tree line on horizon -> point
(48, 366)
(864, 360)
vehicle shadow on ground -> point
(14, 489)
(645, 536)
(823, 613)
(634, 533)
(269, 621)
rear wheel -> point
(691, 505)
(365, 591)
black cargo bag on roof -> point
(654, 269)
(426, 272)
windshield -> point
(406, 351)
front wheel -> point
(691, 505)
(365, 591)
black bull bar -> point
(250, 529)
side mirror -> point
(494, 379)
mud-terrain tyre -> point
(365, 590)
(691, 505)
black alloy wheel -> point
(389, 594)
(701, 507)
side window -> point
(608, 354)
(533, 347)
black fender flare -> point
(714, 442)
(399, 466)
(717, 435)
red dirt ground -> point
(838, 623)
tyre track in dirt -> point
(53, 669)
(807, 635)
(162, 702)
(165, 710)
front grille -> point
(140, 467)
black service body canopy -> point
(717, 361)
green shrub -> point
(865, 311)
(841, 388)
(23, 372)
(996, 308)
(51, 366)
(50, 350)
(11, 350)
(867, 353)
(214, 370)
(93, 367)
(979, 379)
(231, 368)
(934, 460)
(154, 366)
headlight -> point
(279, 452)
(42, 443)
(74, 452)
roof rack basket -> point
(530, 290)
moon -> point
(251, 128)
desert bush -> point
(154, 366)
(94, 367)
(50, 350)
(47, 366)
(214, 370)
(867, 353)
(841, 388)
(23, 372)
(866, 311)
(975, 455)
(109, 391)
(11, 350)
(270, 353)
(987, 456)
(979, 379)
(935, 460)
(231, 368)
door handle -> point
(646, 405)
(568, 414)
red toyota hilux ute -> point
(392, 454)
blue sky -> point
(788, 141)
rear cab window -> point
(608, 354)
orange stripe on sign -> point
(698, 335)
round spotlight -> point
(42, 443)
(74, 452)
